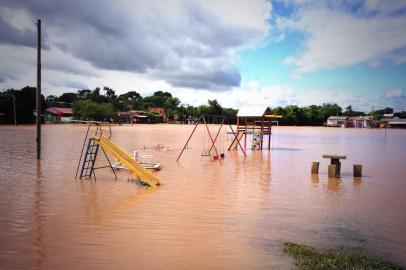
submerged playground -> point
(225, 195)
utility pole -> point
(38, 105)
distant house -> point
(133, 116)
(56, 114)
(359, 122)
(160, 112)
(337, 121)
(396, 123)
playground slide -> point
(132, 165)
(237, 138)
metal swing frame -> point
(213, 141)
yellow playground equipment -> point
(101, 138)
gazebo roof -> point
(252, 111)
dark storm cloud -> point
(13, 36)
(190, 49)
(71, 84)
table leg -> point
(336, 161)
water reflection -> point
(333, 184)
(357, 181)
(205, 215)
(315, 179)
(98, 211)
(39, 219)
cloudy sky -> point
(351, 52)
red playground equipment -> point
(255, 121)
(203, 119)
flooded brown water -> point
(206, 215)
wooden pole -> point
(262, 132)
(269, 136)
(332, 170)
(357, 170)
(315, 167)
(38, 105)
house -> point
(57, 114)
(337, 121)
(133, 116)
(396, 122)
(359, 122)
(160, 112)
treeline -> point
(103, 104)
(315, 115)
(24, 101)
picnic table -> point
(335, 160)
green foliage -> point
(230, 114)
(378, 114)
(90, 110)
(51, 101)
(313, 115)
(157, 99)
(25, 102)
(68, 98)
(349, 112)
(214, 107)
(401, 114)
(309, 258)
(129, 101)
(102, 105)
(153, 118)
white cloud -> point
(335, 37)
(184, 43)
(394, 93)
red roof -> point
(57, 110)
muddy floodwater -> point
(205, 215)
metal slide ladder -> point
(89, 159)
(86, 165)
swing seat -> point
(206, 154)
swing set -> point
(204, 119)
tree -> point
(171, 105)
(68, 98)
(110, 93)
(84, 94)
(215, 108)
(157, 99)
(378, 114)
(231, 115)
(328, 110)
(25, 102)
(349, 112)
(51, 101)
(95, 96)
(90, 110)
(401, 114)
